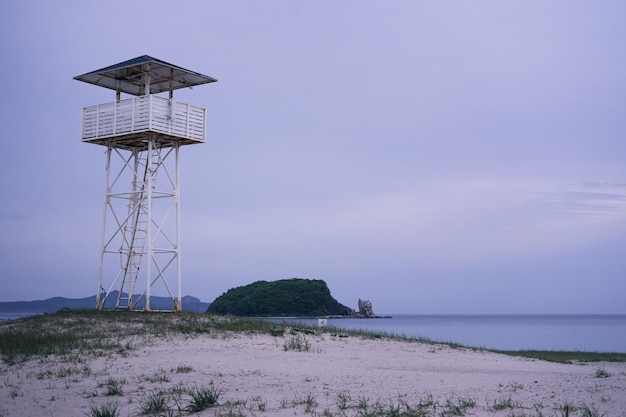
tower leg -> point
(149, 200)
(178, 302)
(100, 293)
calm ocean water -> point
(593, 333)
(13, 316)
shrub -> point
(114, 387)
(154, 403)
(205, 397)
(108, 409)
(297, 342)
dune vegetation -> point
(60, 353)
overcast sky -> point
(432, 157)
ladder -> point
(134, 239)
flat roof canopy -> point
(130, 76)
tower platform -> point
(130, 123)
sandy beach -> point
(332, 376)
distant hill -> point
(282, 298)
(54, 304)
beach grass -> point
(100, 333)
(566, 357)
(68, 340)
(114, 387)
(204, 397)
(108, 409)
(154, 403)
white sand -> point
(262, 379)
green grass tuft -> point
(113, 387)
(204, 397)
(153, 403)
(602, 373)
(108, 409)
(297, 342)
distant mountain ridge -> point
(54, 304)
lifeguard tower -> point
(142, 134)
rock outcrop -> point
(365, 309)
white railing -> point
(141, 114)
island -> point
(295, 297)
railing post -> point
(171, 115)
(203, 124)
(117, 103)
(98, 120)
(133, 109)
(150, 112)
(187, 122)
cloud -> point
(587, 203)
(13, 215)
(465, 220)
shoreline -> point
(426, 334)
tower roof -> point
(128, 76)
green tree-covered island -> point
(296, 297)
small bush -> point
(261, 404)
(343, 400)
(231, 411)
(113, 387)
(588, 411)
(183, 369)
(310, 403)
(502, 404)
(458, 405)
(160, 375)
(203, 398)
(567, 409)
(276, 332)
(108, 409)
(298, 343)
(154, 403)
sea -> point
(14, 316)
(589, 333)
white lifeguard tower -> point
(140, 250)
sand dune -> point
(331, 376)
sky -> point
(432, 157)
